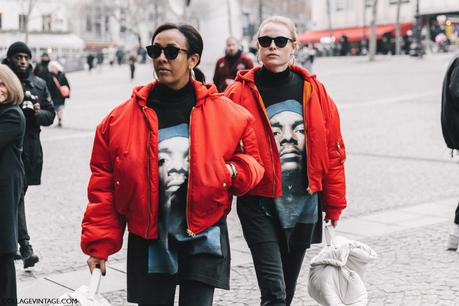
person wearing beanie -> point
(233, 61)
(18, 47)
(40, 112)
(42, 70)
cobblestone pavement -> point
(396, 157)
(412, 269)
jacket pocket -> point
(341, 152)
(226, 176)
(218, 193)
(118, 201)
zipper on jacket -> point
(187, 208)
(148, 174)
(260, 100)
(305, 116)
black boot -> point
(28, 257)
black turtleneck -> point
(280, 86)
(172, 107)
(233, 58)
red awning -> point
(354, 34)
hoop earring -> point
(193, 76)
(258, 58)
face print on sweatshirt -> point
(287, 125)
(173, 165)
(296, 205)
(173, 159)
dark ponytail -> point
(194, 41)
(199, 75)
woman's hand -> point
(94, 262)
(334, 223)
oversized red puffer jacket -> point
(123, 187)
(324, 143)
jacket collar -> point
(248, 76)
(202, 91)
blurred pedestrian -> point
(450, 128)
(39, 111)
(233, 61)
(174, 196)
(58, 93)
(90, 61)
(307, 55)
(100, 59)
(41, 69)
(132, 59)
(119, 56)
(298, 131)
(12, 129)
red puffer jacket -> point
(123, 187)
(324, 143)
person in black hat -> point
(39, 111)
(41, 69)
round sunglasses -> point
(279, 41)
(170, 52)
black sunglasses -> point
(170, 52)
(279, 41)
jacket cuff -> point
(332, 213)
(99, 249)
(240, 184)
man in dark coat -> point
(450, 129)
(233, 61)
(40, 113)
(42, 70)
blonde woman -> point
(12, 129)
(298, 131)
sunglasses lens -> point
(171, 52)
(280, 41)
(154, 51)
(264, 41)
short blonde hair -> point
(13, 86)
(285, 21)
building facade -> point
(334, 19)
(44, 26)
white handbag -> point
(84, 295)
(336, 273)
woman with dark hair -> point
(298, 132)
(12, 129)
(166, 163)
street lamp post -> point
(416, 45)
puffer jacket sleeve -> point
(334, 183)
(102, 227)
(247, 160)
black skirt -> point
(158, 288)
